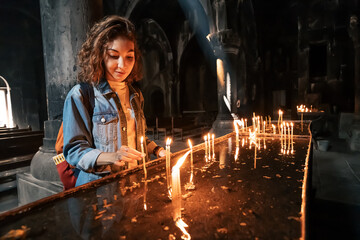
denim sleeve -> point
(79, 148)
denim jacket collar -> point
(105, 89)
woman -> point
(106, 139)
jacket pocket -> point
(105, 131)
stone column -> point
(64, 25)
(354, 33)
(226, 48)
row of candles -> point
(173, 176)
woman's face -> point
(120, 59)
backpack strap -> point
(87, 91)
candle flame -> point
(142, 139)
(189, 142)
(168, 141)
(181, 160)
(182, 225)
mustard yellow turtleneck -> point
(122, 89)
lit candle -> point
(142, 150)
(289, 136)
(279, 117)
(292, 129)
(269, 120)
(176, 187)
(245, 123)
(264, 126)
(209, 142)
(206, 151)
(213, 145)
(192, 162)
(274, 128)
(168, 167)
(236, 134)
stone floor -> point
(335, 208)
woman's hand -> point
(162, 153)
(127, 154)
(124, 154)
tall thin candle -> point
(142, 150)
(168, 167)
(191, 162)
(176, 187)
(213, 146)
(209, 142)
(206, 151)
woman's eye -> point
(130, 57)
(114, 56)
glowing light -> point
(206, 150)
(168, 168)
(6, 115)
(192, 162)
(177, 196)
(213, 145)
(209, 142)
(236, 133)
(274, 128)
(142, 150)
(176, 186)
(182, 225)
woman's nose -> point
(120, 62)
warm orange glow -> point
(176, 187)
(168, 167)
(220, 72)
(192, 162)
(206, 148)
(142, 150)
(236, 153)
(182, 225)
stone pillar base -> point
(354, 141)
(222, 125)
(42, 166)
(31, 189)
(43, 179)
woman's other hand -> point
(127, 154)
(124, 154)
(162, 153)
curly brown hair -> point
(93, 51)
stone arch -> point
(197, 79)
(154, 102)
(157, 61)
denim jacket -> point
(85, 136)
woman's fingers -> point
(128, 154)
(131, 151)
